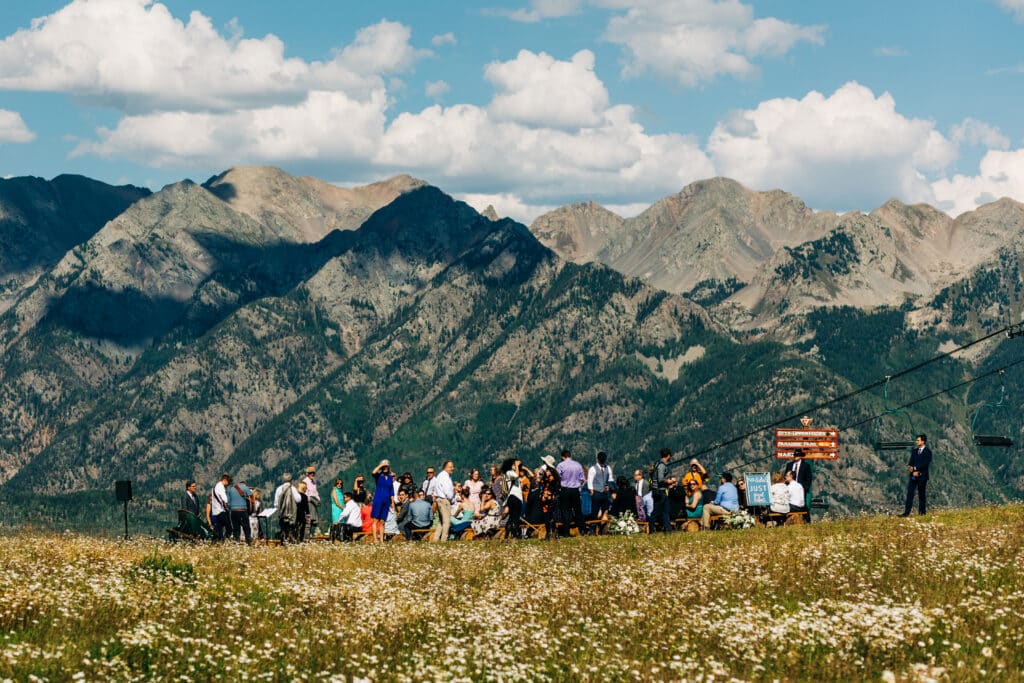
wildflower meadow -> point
(939, 597)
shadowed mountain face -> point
(41, 220)
(209, 327)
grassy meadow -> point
(933, 598)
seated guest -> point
(726, 501)
(780, 494)
(462, 519)
(694, 500)
(486, 520)
(796, 493)
(367, 512)
(741, 492)
(391, 523)
(421, 514)
(623, 498)
(351, 518)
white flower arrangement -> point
(624, 525)
(740, 519)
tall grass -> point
(940, 597)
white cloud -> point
(13, 128)
(848, 150)
(694, 41)
(541, 9)
(506, 204)
(540, 90)
(435, 90)
(973, 132)
(135, 56)
(890, 51)
(326, 126)
(1015, 7)
(443, 39)
(1000, 174)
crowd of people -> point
(558, 496)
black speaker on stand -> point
(123, 491)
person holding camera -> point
(696, 473)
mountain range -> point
(260, 322)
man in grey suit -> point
(189, 499)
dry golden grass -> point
(940, 598)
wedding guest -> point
(624, 498)
(475, 485)
(780, 494)
(726, 501)
(351, 520)
(301, 512)
(314, 499)
(694, 500)
(337, 505)
(189, 499)
(383, 497)
(486, 519)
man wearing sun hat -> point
(314, 499)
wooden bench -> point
(795, 518)
(597, 526)
(538, 531)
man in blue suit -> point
(920, 461)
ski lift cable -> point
(906, 405)
(1008, 330)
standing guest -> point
(624, 498)
(219, 515)
(694, 500)
(659, 482)
(301, 512)
(726, 501)
(444, 496)
(780, 495)
(337, 505)
(920, 462)
(495, 484)
(675, 498)
(383, 497)
(475, 485)
(513, 497)
(189, 499)
(802, 474)
(428, 486)
(570, 473)
(351, 520)
(534, 509)
(238, 505)
(696, 473)
(599, 480)
(549, 501)
(314, 499)
(359, 492)
(286, 497)
(796, 493)
(254, 514)
(421, 514)
(407, 485)
(644, 497)
(525, 477)
(547, 462)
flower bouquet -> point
(623, 525)
(740, 519)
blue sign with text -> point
(759, 489)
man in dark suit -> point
(920, 461)
(189, 499)
(802, 475)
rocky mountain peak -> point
(578, 232)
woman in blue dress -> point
(383, 496)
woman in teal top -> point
(694, 501)
(337, 504)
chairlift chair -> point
(989, 440)
(882, 445)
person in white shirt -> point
(443, 491)
(796, 493)
(599, 484)
(780, 494)
(219, 517)
(351, 518)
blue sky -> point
(528, 104)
